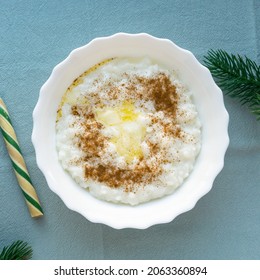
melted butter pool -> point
(128, 129)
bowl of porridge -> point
(130, 130)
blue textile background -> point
(37, 35)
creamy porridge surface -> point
(128, 131)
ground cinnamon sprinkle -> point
(160, 90)
(128, 178)
(92, 142)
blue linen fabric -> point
(37, 35)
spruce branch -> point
(238, 76)
(18, 250)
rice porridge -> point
(127, 130)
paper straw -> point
(18, 163)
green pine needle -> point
(238, 76)
(18, 250)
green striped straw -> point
(18, 163)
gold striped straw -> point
(18, 163)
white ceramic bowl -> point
(207, 97)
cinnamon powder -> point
(161, 91)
